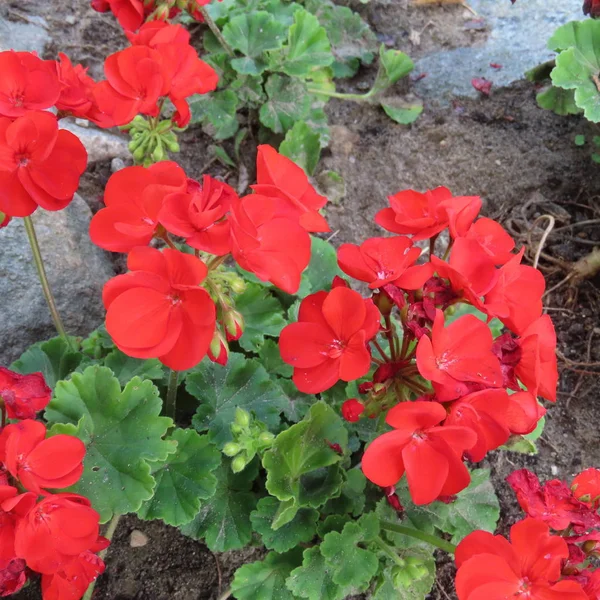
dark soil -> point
(519, 158)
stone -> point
(100, 144)
(77, 271)
(29, 37)
(138, 539)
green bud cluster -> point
(250, 437)
(414, 569)
(151, 140)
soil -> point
(520, 159)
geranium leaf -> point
(122, 431)
(270, 357)
(352, 498)
(393, 65)
(297, 404)
(265, 579)
(560, 101)
(402, 112)
(224, 519)
(183, 479)
(525, 444)
(323, 266)
(301, 528)
(253, 33)
(288, 102)
(303, 146)
(54, 359)
(220, 389)
(125, 368)
(263, 316)
(308, 46)
(302, 468)
(218, 112)
(313, 580)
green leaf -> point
(270, 357)
(288, 102)
(411, 581)
(350, 564)
(218, 112)
(352, 498)
(308, 46)
(301, 528)
(302, 468)
(579, 140)
(313, 580)
(263, 315)
(126, 368)
(560, 101)
(183, 479)
(265, 579)
(224, 519)
(98, 343)
(222, 155)
(303, 146)
(297, 403)
(323, 266)
(393, 65)
(54, 359)
(220, 390)
(402, 112)
(578, 64)
(122, 431)
(525, 444)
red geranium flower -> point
(516, 297)
(55, 531)
(72, 580)
(134, 197)
(279, 177)
(524, 412)
(586, 486)
(491, 567)
(159, 309)
(198, 215)
(431, 455)
(352, 409)
(485, 412)
(493, 239)
(13, 576)
(153, 33)
(39, 165)
(27, 83)
(129, 13)
(458, 355)
(553, 503)
(40, 463)
(380, 261)
(76, 94)
(274, 248)
(537, 368)
(23, 395)
(329, 341)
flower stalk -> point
(171, 405)
(433, 540)
(216, 31)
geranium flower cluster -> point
(171, 304)
(550, 553)
(54, 534)
(451, 390)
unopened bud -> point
(589, 546)
(238, 285)
(383, 302)
(265, 438)
(161, 13)
(233, 322)
(231, 449)
(238, 463)
(242, 417)
(4, 219)
(218, 351)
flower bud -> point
(161, 13)
(100, 6)
(231, 449)
(242, 417)
(4, 220)
(218, 351)
(238, 285)
(266, 438)
(352, 409)
(233, 322)
(238, 463)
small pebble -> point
(116, 164)
(137, 539)
(554, 470)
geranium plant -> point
(338, 428)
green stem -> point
(110, 532)
(342, 96)
(389, 551)
(171, 406)
(39, 265)
(433, 540)
(216, 31)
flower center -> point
(175, 299)
(336, 349)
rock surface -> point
(77, 271)
(100, 145)
(30, 36)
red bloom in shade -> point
(591, 580)
(279, 177)
(134, 197)
(516, 297)
(135, 81)
(159, 309)
(39, 463)
(72, 580)
(329, 341)
(352, 409)
(28, 83)
(527, 567)
(431, 455)
(586, 486)
(458, 355)
(23, 395)
(485, 412)
(425, 215)
(274, 248)
(380, 261)
(39, 165)
(553, 503)
(55, 531)
(198, 215)
(493, 239)
(537, 368)
(76, 94)
(13, 576)
(470, 271)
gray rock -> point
(100, 144)
(31, 36)
(77, 271)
